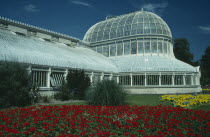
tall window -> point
(147, 46)
(113, 49)
(152, 79)
(140, 47)
(127, 48)
(188, 80)
(39, 78)
(96, 79)
(160, 48)
(133, 47)
(106, 50)
(166, 79)
(154, 46)
(124, 80)
(138, 79)
(165, 47)
(119, 48)
(99, 49)
(56, 79)
(178, 80)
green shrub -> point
(77, 83)
(46, 99)
(35, 94)
(107, 92)
(14, 85)
(63, 93)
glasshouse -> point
(135, 50)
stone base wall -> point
(47, 93)
(162, 90)
(148, 90)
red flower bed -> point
(76, 121)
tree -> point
(182, 51)
(78, 82)
(15, 85)
(205, 67)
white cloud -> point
(77, 2)
(31, 8)
(205, 29)
(155, 7)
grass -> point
(143, 100)
(205, 107)
(72, 103)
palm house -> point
(135, 50)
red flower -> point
(126, 133)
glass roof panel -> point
(141, 22)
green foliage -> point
(14, 85)
(77, 83)
(45, 99)
(106, 93)
(35, 94)
(205, 67)
(63, 93)
(182, 51)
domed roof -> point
(136, 23)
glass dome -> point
(136, 23)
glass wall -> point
(188, 79)
(133, 47)
(178, 80)
(166, 79)
(39, 78)
(152, 79)
(113, 49)
(56, 79)
(124, 80)
(138, 79)
(127, 48)
(119, 48)
(136, 46)
(106, 51)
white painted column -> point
(102, 76)
(184, 79)
(91, 78)
(111, 76)
(173, 77)
(159, 79)
(197, 80)
(191, 78)
(118, 79)
(29, 70)
(145, 79)
(65, 75)
(48, 77)
(131, 77)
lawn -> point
(143, 100)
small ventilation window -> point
(47, 39)
(54, 38)
(3, 26)
(21, 34)
(31, 33)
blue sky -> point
(186, 18)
